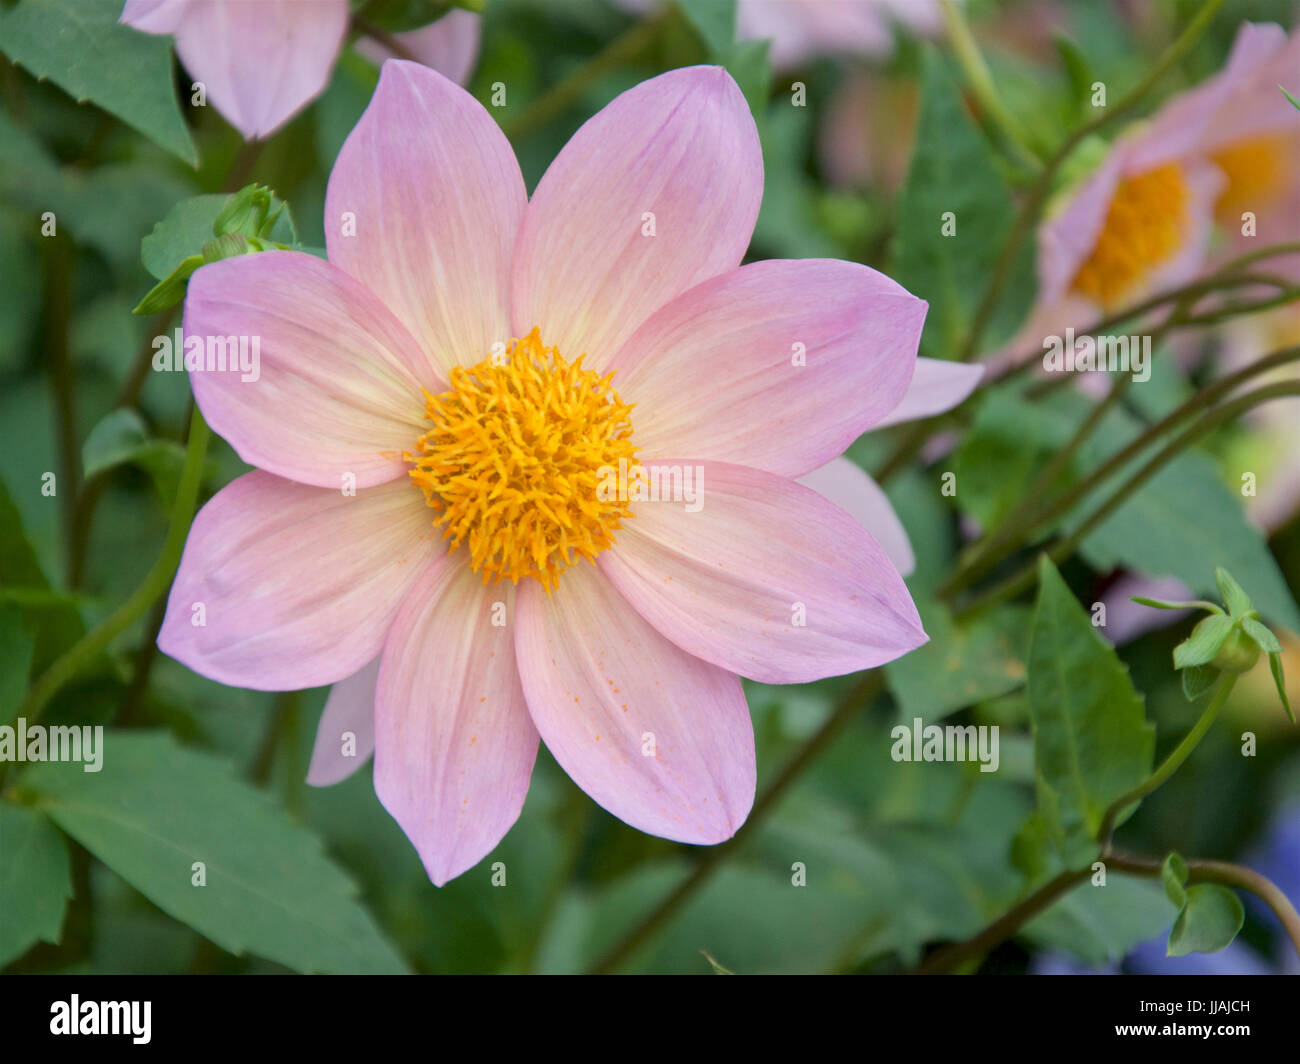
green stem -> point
(981, 84)
(1042, 188)
(1025, 577)
(864, 692)
(154, 584)
(1170, 765)
(1228, 875)
(566, 92)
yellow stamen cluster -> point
(517, 451)
(1145, 224)
(1256, 172)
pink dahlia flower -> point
(262, 61)
(437, 414)
(1142, 221)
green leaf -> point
(157, 808)
(1203, 644)
(1179, 518)
(1236, 599)
(1102, 924)
(1164, 604)
(1279, 681)
(17, 646)
(954, 169)
(960, 665)
(1264, 639)
(715, 22)
(1173, 873)
(188, 226)
(1092, 743)
(1209, 920)
(34, 881)
(1197, 679)
(121, 438)
(81, 47)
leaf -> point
(715, 22)
(1236, 599)
(156, 808)
(81, 47)
(1209, 920)
(1092, 743)
(185, 228)
(1203, 644)
(960, 666)
(1173, 874)
(1179, 518)
(954, 169)
(1101, 924)
(35, 884)
(1197, 679)
(1264, 639)
(17, 646)
(1163, 604)
(121, 438)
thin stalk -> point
(154, 584)
(1170, 765)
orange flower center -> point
(1256, 171)
(1145, 224)
(515, 460)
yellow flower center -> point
(1256, 171)
(518, 449)
(1145, 224)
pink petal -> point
(337, 389)
(153, 16)
(350, 709)
(936, 386)
(454, 745)
(298, 585)
(812, 352)
(681, 147)
(449, 45)
(437, 199)
(261, 62)
(847, 485)
(766, 579)
(659, 738)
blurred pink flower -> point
(262, 61)
(1143, 220)
(389, 372)
(450, 45)
(801, 30)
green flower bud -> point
(1238, 653)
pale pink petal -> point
(659, 738)
(337, 388)
(454, 744)
(678, 152)
(283, 586)
(429, 186)
(449, 46)
(153, 16)
(778, 365)
(261, 61)
(847, 485)
(765, 578)
(936, 386)
(347, 723)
